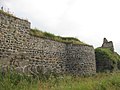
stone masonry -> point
(32, 55)
(107, 44)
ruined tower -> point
(108, 44)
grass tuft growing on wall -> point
(3, 12)
(47, 35)
(10, 15)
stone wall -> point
(107, 44)
(31, 55)
(80, 60)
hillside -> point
(106, 60)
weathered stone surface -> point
(107, 44)
(80, 60)
(31, 55)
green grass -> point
(47, 35)
(101, 81)
(3, 12)
(107, 53)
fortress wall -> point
(81, 59)
(31, 55)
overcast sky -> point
(88, 20)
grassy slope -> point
(107, 60)
(101, 81)
(38, 33)
(107, 53)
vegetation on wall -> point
(10, 15)
(38, 33)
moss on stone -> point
(72, 40)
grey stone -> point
(30, 55)
(107, 44)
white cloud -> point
(89, 20)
